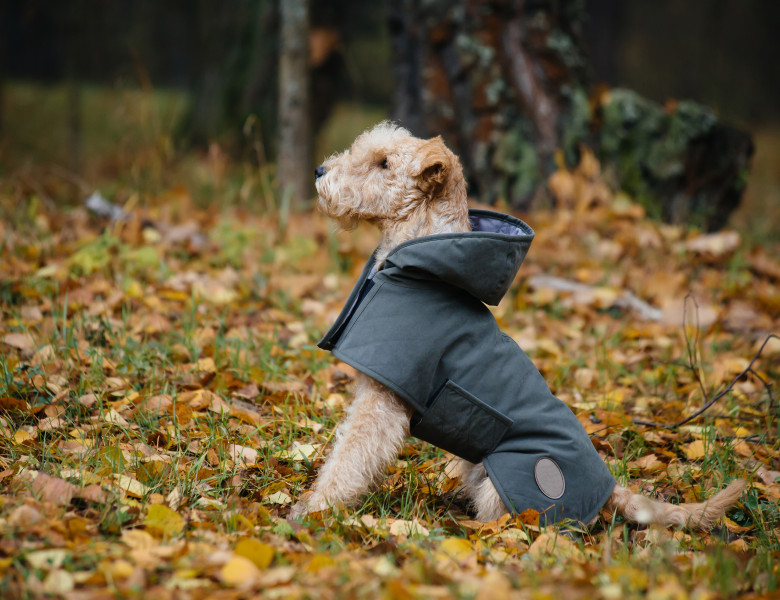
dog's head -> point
(388, 176)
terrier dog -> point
(414, 191)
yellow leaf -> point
(133, 487)
(207, 365)
(320, 561)
(133, 289)
(259, 553)
(629, 577)
(239, 523)
(611, 399)
(458, 549)
(22, 437)
(239, 572)
(551, 545)
(163, 520)
(118, 569)
(694, 450)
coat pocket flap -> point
(461, 423)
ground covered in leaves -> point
(163, 403)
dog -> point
(414, 192)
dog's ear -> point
(433, 165)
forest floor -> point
(163, 402)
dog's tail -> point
(699, 515)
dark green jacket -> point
(420, 326)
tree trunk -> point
(405, 36)
(295, 165)
(508, 84)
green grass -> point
(118, 124)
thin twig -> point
(718, 396)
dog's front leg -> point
(366, 443)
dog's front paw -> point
(308, 502)
(298, 510)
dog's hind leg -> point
(479, 489)
(366, 443)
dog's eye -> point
(383, 164)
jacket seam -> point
(443, 237)
(359, 311)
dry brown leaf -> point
(21, 341)
(242, 453)
(24, 517)
(158, 404)
(53, 489)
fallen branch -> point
(729, 387)
(625, 299)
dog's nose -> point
(319, 172)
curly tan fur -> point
(410, 188)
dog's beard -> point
(344, 220)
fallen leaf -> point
(131, 486)
(48, 559)
(242, 453)
(21, 341)
(53, 489)
(457, 549)
(138, 539)
(259, 553)
(239, 572)
(300, 452)
(694, 450)
(402, 528)
(163, 521)
(552, 545)
(113, 417)
(279, 498)
(59, 583)
(24, 517)
(158, 404)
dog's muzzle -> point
(319, 172)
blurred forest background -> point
(146, 95)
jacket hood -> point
(482, 262)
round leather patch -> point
(549, 478)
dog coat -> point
(420, 326)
